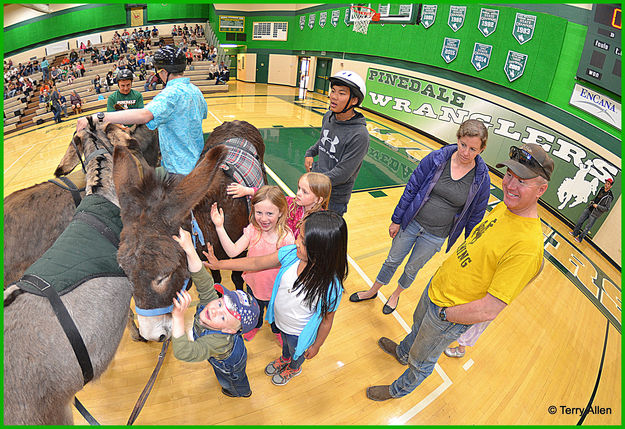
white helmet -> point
(353, 81)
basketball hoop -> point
(362, 16)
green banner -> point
(438, 110)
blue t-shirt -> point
(178, 113)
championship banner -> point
(346, 17)
(488, 21)
(323, 16)
(515, 65)
(524, 25)
(438, 110)
(456, 17)
(450, 49)
(481, 56)
(428, 15)
(311, 21)
(302, 22)
(336, 14)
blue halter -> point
(196, 231)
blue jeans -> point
(230, 372)
(289, 342)
(262, 305)
(423, 244)
(152, 86)
(586, 215)
(422, 347)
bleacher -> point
(23, 112)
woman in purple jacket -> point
(447, 192)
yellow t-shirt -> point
(502, 254)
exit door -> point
(322, 75)
(262, 68)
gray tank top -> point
(447, 199)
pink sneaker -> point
(248, 336)
(279, 337)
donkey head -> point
(142, 142)
(152, 210)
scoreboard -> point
(600, 63)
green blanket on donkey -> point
(81, 252)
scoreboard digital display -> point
(600, 63)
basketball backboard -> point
(392, 13)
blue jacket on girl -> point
(421, 183)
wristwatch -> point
(442, 314)
(100, 116)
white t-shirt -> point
(291, 314)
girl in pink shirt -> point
(313, 194)
(265, 234)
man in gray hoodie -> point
(344, 139)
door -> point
(303, 76)
(262, 68)
(233, 66)
(324, 68)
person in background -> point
(599, 205)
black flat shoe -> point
(387, 309)
(355, 298)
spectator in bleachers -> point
(213, 71)
(197, 54)
(73, 56)
(189, 56)
(97, 84)
(89, 48)
(125, 97)
(82, 47)
(64, 72)
(108, 56)
(64, 61)
(63, 102)
(146, 33)
(12, 89)
(132, 62)
(76, 102)
(154, 31)
(45, 68)
(174, 31)
(94, 57)
(81, 68)
(125, 35)
(110, 80)
(224, 76)
(55, 74)
(151, 81)
(185, 30)
(115, 54)
(55, 104)
(43, 92)
(123, 47)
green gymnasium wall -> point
(166, 11)
(62, 24)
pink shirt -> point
(261, 282)
(294, 217)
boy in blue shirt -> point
(177, 111)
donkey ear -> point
(125, 171)
(71, 158)
(190, 191)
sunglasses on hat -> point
(524, 157)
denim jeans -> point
(230, 372)
(422, 347)
(262, 305)
(289, 342)
(586, 215)
(423, 244)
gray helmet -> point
(125, 74)
(171, 59)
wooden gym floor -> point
(552, 352)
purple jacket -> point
(421, 183)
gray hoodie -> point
(341, 148)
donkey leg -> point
(132, 328)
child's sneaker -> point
(281, 378)
(279, 337)
(276, 366)
(249, 335)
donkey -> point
(41, 374)
(153, 209)
(50, 207)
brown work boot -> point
(379, 393)
(389, 346)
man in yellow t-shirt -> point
(498, 259)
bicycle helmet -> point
(353, 81)
(170, 58)
(125, 74)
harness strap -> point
(70, 187)
(158, 311)
(98, 225)
(96, 153)
(85, 413)
(195, 230)
(67, 323)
